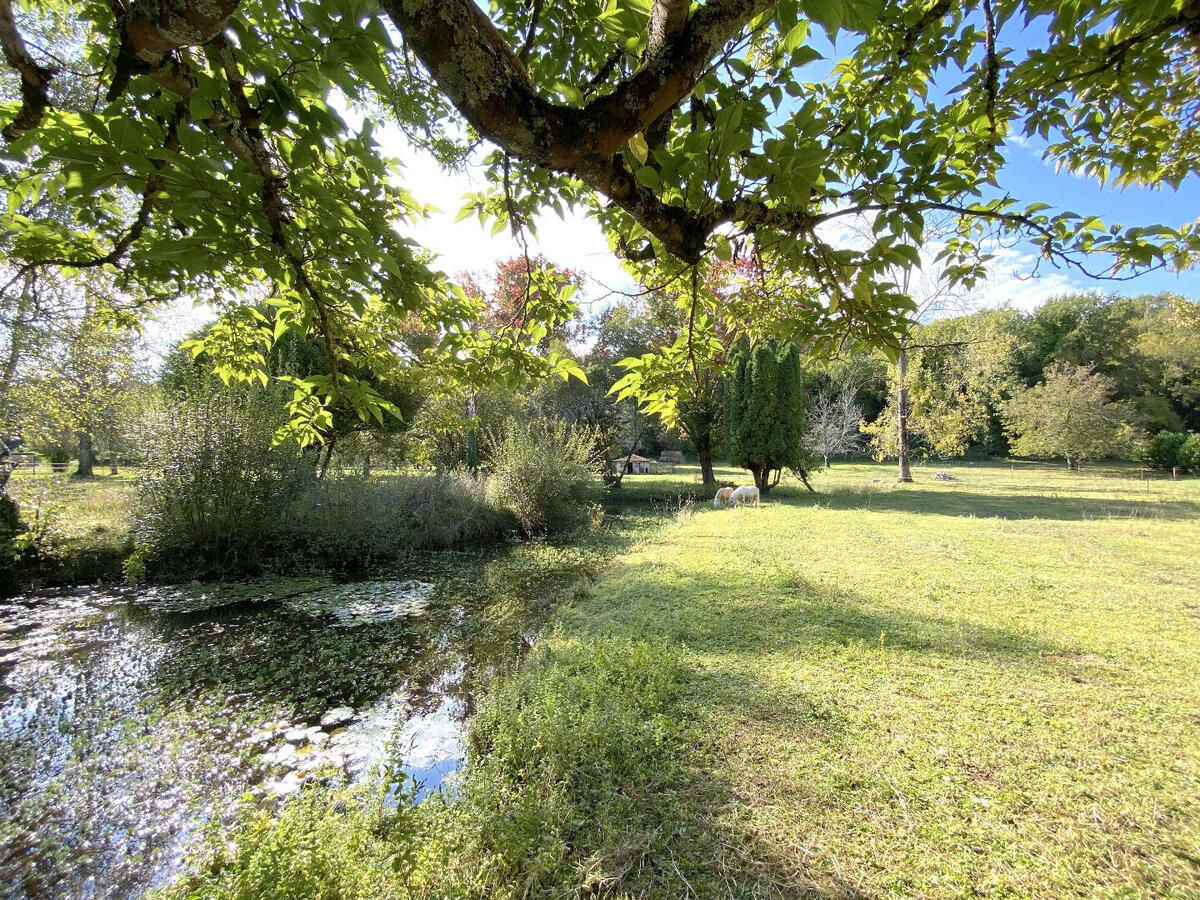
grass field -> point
(84, 524)
(982, 686)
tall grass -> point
(219, 497)
(352, 523)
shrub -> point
(1162, 450)
(544, 473)
(216, 491)
(352, 522)
(10, 542)
(1188, 456)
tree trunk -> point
(704, 454)
(85, 456)
(762, 478)
(803, 476)
(905, 474)
(366, 467)
(328, 456)
(637, 442)
(472, 435)
(112, 462)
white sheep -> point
(745, 494)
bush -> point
(1162, 450)
(216, 493)
(544, 474)
(352, 523)
(10, 543)
(1188, 456)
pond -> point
(134, 721)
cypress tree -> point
(764, 414)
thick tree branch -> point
(476, 69)
(35, 78)
(151, 30)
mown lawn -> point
(985, 686)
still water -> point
(134, 721)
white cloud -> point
(1012, 282)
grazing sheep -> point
(722, 498)
(745, 494)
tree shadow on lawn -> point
(964, 503)
(749, 631)
(792, 615)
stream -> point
(135, 721)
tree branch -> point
(35, 78)
(151, 30)
(486, 81)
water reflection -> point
(131, 721)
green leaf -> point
(639, 148)
(648, 176)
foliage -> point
(514, 290)
(959, 373)
(442, 427)
(11, 543)
(1069, 415)
(1162, 450)
(356, 524)
(315, 850)
(1188, 455)
(208, 154)
(216, 490)
(765, 413)
(84, 382)
(544, 474)
(1169, 338)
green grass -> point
(84, 524)
(987, 685)
(979, 687)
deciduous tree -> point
(198, 145)
(1069, 415)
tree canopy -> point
(228, 148)
(1069, 415)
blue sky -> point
(1030, 179)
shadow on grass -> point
(795, 616)
(669, 608)
(960, 503)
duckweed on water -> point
(133, 724)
